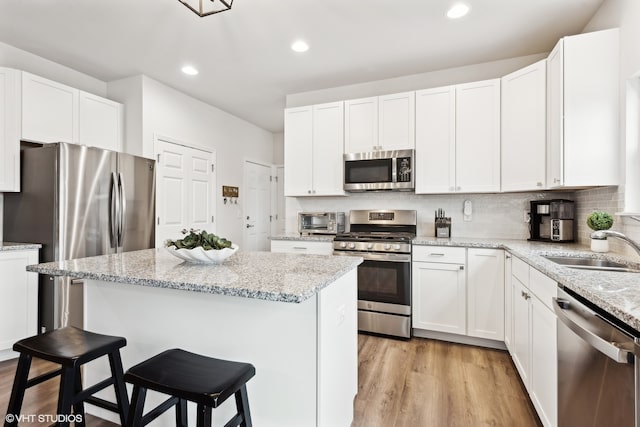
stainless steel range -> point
(383, 238)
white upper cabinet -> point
(436, 140)
(380, 123)
(583, 110)
(524, 131)
(100, 122)
(458, 138)
(396, 121)
(9, 129)
(361, 125)
(478, 136)
(49, 110)
(313, 146)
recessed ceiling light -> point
(458, 10)
(300, 46)
(189, 70)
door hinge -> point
(270, 178)
(158, 220)
(158, 158)
(212, 218)
(270, 218)
(276, 179)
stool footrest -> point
(42, 378)
(101, 403)
(90, 391)
(235, 421)
(159, 410)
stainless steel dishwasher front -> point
(597, 368)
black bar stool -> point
(191, 377)
(71, 348)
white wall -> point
(278, 148)
(13, 57)
(156, 109)
(470, 73)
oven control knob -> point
(352, 245)
(369, 245)
(343, 244)
(387, 247)
(396, 247)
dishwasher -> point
(597, 367)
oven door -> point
(384, 282)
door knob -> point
(249, 225)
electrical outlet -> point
(527, 216)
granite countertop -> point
(617, 293)
(298, 237)
(12, 246)
(262, 275)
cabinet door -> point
(439, 297)
(435, 140)
(298, 151)
(396, 121)
(524, 119)
(478, 136)
(521, 331)
(544, 366)
(49, 110)
(508, 303)
(100, 122)
(555, 116)
(18, 297)
(9, 130)
(328, 146)
(361, 125)
(485, 287)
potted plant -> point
(599, 220)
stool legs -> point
(19, 387)
(65, 394)
(204, 416)
(242, 403)
(137, 406)
(78, 408)
(122, 399)
(181, 413)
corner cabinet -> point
(313, 146)
(18, 299)
(9, 130)
(485, 285)
(524, 128)
(458, 138)
(380, 123)
(583, 110)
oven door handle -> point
(573, 320)
(371, 256)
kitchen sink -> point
(593, 264)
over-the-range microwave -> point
(379, 170)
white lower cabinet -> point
(459, 291)
(485, 295)
(534, 346)
(302, 247)
(18, 299)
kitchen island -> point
(292, 316)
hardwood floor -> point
(416, 383)
(421, 382)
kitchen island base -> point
(305, 354)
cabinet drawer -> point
(441, 254)
(543, 287)
(520, 270)
(302, 247)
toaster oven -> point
(320, 222)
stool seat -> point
(69, 346)
(191, 376)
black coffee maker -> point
(552, 220)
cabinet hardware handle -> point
(308, 191)
(539, 184)
(302, 248)
(435, 254)
(508, 256)
(486, 255)
(462, 267)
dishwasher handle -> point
(611, 349)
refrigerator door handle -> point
(113, 212)
(123, 210)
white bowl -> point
(199, 255)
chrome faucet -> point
(603, 234)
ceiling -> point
(246, 65)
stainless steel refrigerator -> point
(78, 202)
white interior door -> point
(185, 182)
(257, 206)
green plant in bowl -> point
(599, 220)
(197, 238)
